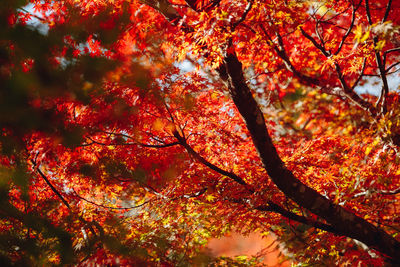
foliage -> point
(132, 132)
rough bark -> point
(345, 222)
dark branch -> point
(368, 12)
(348, 91)
(345, 222)
(388, 7)
(353, 18)
(392, 66)
(292, 216)
(130, 144)
(361, 74)
(109, 207)
(213, 167)
(272, 207)
(243, 17)
(390, 192)
(315, 43)
(382, 101)
(282, 54)
(33, 15)
(65, 202)
(387, 52)
(367, 106)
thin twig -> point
(387, 11)
(315, 43)
(202, 160)
(320, 37)
(392, 66)
(353, 18)
(292, 216)
(389, 51)
(33, 15)
(282, 54)
(130, 144)
(361, 74)
(243, 17)
(368, 12)
(65, 202)
(109, 207)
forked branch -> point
(271, 206)
(345, 222)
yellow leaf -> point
(210, 197)
(368, 150)
(379, 46)
(241, 258)
(214, 95)
(358, 33)
(365, 37)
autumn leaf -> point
(133, 132)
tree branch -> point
(130, 144)
(376, 191)
(282, 54)
(353, 96)
(109, 207)
(387, 52)
(387, 11)
(361, 74)
(213, 167)
(390, 192)
(315, 43)
(243, 17)
(392, 66)
(353, 18)
(368, 12)
(348, 91)
(65, 202)
(272, 207)
(345, 222)
(382, 100)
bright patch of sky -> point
(371, 86)
(374, 84)
(35, 21)
(185, 66)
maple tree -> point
(133, 131)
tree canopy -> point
(132, 132)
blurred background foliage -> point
(38, 65)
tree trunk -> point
(343, 221)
